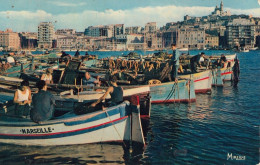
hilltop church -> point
(219, 11)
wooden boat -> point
(15, 71)
(67, 99)
(202, 81)
(254, 48)
(118, 123)
(171, 92)
(219, 75)
(244, 50)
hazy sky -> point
(25, 15)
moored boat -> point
(67, 99)
(113, 124)
(202, 81)
(171, 92)
(219, 75)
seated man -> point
(90, 81)
(115, 92)
(10, 60)
(194, 62)
(223, 61)
(43, 103)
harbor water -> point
(219, 128)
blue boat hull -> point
(170, 92)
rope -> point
(170, 93)
(115, 128)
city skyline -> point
(25, 15)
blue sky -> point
(25, 15)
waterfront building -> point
(28, 40)
(192, 38)
(150, 27)
(169, 37)
(66, 43)
(75, 43)
(9, 40)
(45, 35)
(65, 32)
(118, 29)
(257, 34)
(241, 33)
(211, 41)
(99, 31)
(129, 40)
(105, 30)
(133, 30)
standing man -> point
(175, 62)
(77, 53)
(43, 103)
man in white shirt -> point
(10, 59)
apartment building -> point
(45, 35)
(65, 32)
(129, 40)
(28, 40)
(150, 27)
(169, 37)
(192, 38)
(9, 40)
(99, 31)
(105, 30)
(241, 33)
(118, 29)
(133, 30)
(211, 41)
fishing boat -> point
(115, 124)
(220, 75)
(173, 92)
(202, 81)
(254, 48)
(14, 71)
(244, 50)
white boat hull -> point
(202, 81)
(111, 125)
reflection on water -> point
(74, 154)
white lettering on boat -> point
(37, 130)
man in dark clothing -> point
(223, 58)
(77, 53)
(223, 61)
(195, 61)
(43, 103)
(115, 92)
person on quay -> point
(115, 91)
(22, 99)
(43, 103)
(47, 77)
(90, 81)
